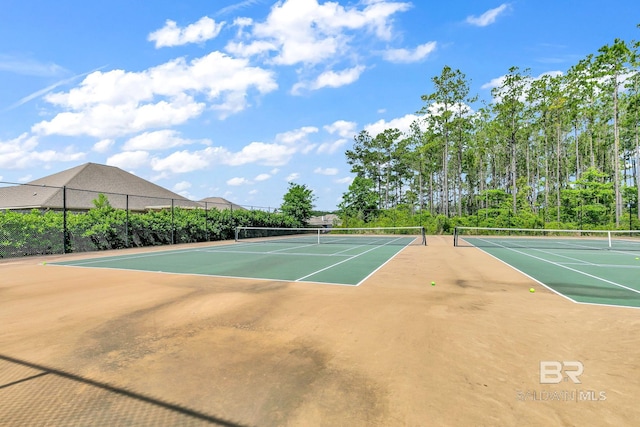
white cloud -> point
(103, 145)
(326, 171)
(499, 81)
(496, 82)
(293, 176)
(489, 17)
(409, 56)
(238, 181)
(337, 79)
(331, 147)
(331, 79)
(104, 120)
(188, 161)
(158, 140)
(308, 32)
(254, 48)
(262, 177)
(346, 180)
(296, 136)
(236, 6)
(129, 159)
(199, 32)
(21, 153)
(403, 124)
(181, 186)
(117, 103)
(262, 153)
(181, 162)
(343, 128)
(29, 66)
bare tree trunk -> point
(558, 154)
(616, 153)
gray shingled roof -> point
(220, 203)
(83, 185)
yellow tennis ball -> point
(433, 283)
(531, 290)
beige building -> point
(78, 187)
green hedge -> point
(104, 227)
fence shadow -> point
(155, 411)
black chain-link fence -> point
(38, 220)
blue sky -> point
(238, 98)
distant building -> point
(78, 187)
(220, 204)
(326, 221)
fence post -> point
(65, 233)
(206, 221)
(173, 228)
(126, 223)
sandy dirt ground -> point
(105, 347)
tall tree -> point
(298, 202)
(445, 111)
(511, 113)
(361, 200)
(612, 63)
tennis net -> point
(350, 236)
(622, 240)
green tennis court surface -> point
(296, 261)
(585, 270)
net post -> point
(424, 236)
(318, 233)
(609, 238)
(455, 236)
(237, 232)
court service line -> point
(573, 269)
(108, 258)
(633, 267)
(345, 260)
(279, 253)
(559, 242)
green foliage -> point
(360, 201)
(104, 227)
(30, 233)
(298, 203)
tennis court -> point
(593, 267)
(342, 257)
(114, 346)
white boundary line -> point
(345, 260)
(83, 264)
(218, 276)
(551, 289)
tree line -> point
(561, 147)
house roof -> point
(83, 185)
(220, 203)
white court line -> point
(337, 254)
(571, 269)
(553, 254)
(343, 261)
(602, 265)
(108, 258)
(221, 276)
(299, 280)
